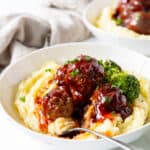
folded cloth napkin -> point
(60, 21)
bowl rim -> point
(91, 26)
(25, 129)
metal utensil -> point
(121, 144)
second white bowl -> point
(92, 12)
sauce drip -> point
(108, 100)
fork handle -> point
(121, 144)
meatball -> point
(108, 99)
(134, 14)
(81, 75)
(139, 22)
(146, 4)
(57, 103)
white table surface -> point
(12, 138)
(14, 6)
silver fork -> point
(121, 144)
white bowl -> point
(90, 15)
(18, 71)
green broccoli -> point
(110, 68)
(128, 84)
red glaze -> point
(57, 103)
(81, 76)
(135, 15)
(107, 99)
(109, 116)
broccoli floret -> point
(110, 68)
(129, 84)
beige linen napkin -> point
(23, 33)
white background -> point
(10, 137)
(13, 6)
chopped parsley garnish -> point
(75, 72)
(48, 70)
(23, 98)
(88, 58)
(108, 99)
(71, 61)
(47, 94)
(113, 112)
(97, 87)
(118, 21)
(138, 16)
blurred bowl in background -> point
(92, 13)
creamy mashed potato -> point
(28, 90)
(38, 84)
(118, 126)
(106, 23)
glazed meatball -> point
(140, 22)
(81, 75)
(57, 103)
(108, 99)
(146, 4)
(134, 14)
(127, 7)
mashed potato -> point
(38, 84)
(28, 90)
(117, 125)
(106, 23)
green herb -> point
(100, 62)
(47, 94)
(97, 87)
(108, 99)
(71, 61)
(113, 112)
(118, 21)
(88, 58)
(23, 98)
(48, 70)
(138, 16)
(75, 72)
